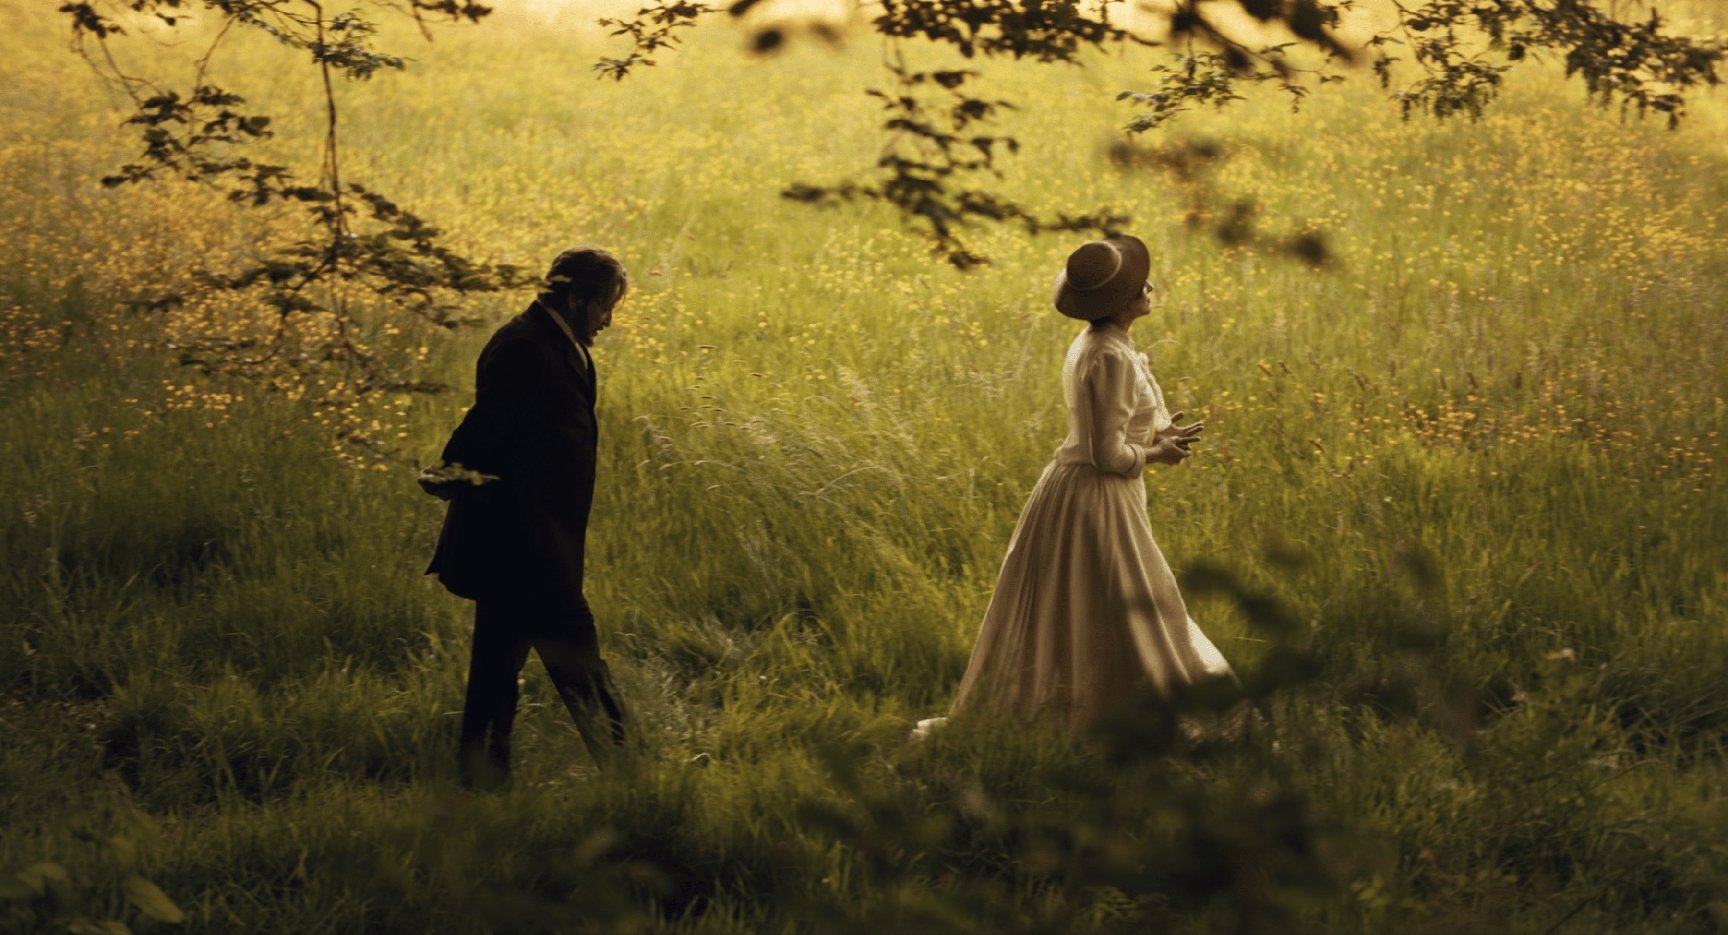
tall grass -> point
(1472, 464)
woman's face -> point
(1139, 307)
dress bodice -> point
(1115, 407)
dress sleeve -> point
(1110, 405)
(1161, 420)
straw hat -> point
(1102, 277)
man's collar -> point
(563, 326)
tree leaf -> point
(83, 926)
(37, 876)
(125, 852)
(13, 889)
(151, 901)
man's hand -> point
(434, 483)
(446, 480)
(1172, 445)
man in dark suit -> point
(519, 475)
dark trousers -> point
(504, 632)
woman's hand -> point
(1171, 446)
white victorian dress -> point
(1086, 612)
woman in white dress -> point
(1086, 612)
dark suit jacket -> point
(532, 424)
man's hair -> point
(586, 273)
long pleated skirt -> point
(1086, 613)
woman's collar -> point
(1114, 330)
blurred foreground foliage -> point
(1410, 793)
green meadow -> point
(1459, 517)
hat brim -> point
(1112, 296)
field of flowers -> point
(1459, 517)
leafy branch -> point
(933, 147)
(355, 241)
(1462, 48)
(1212, 62)
(653, 29)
